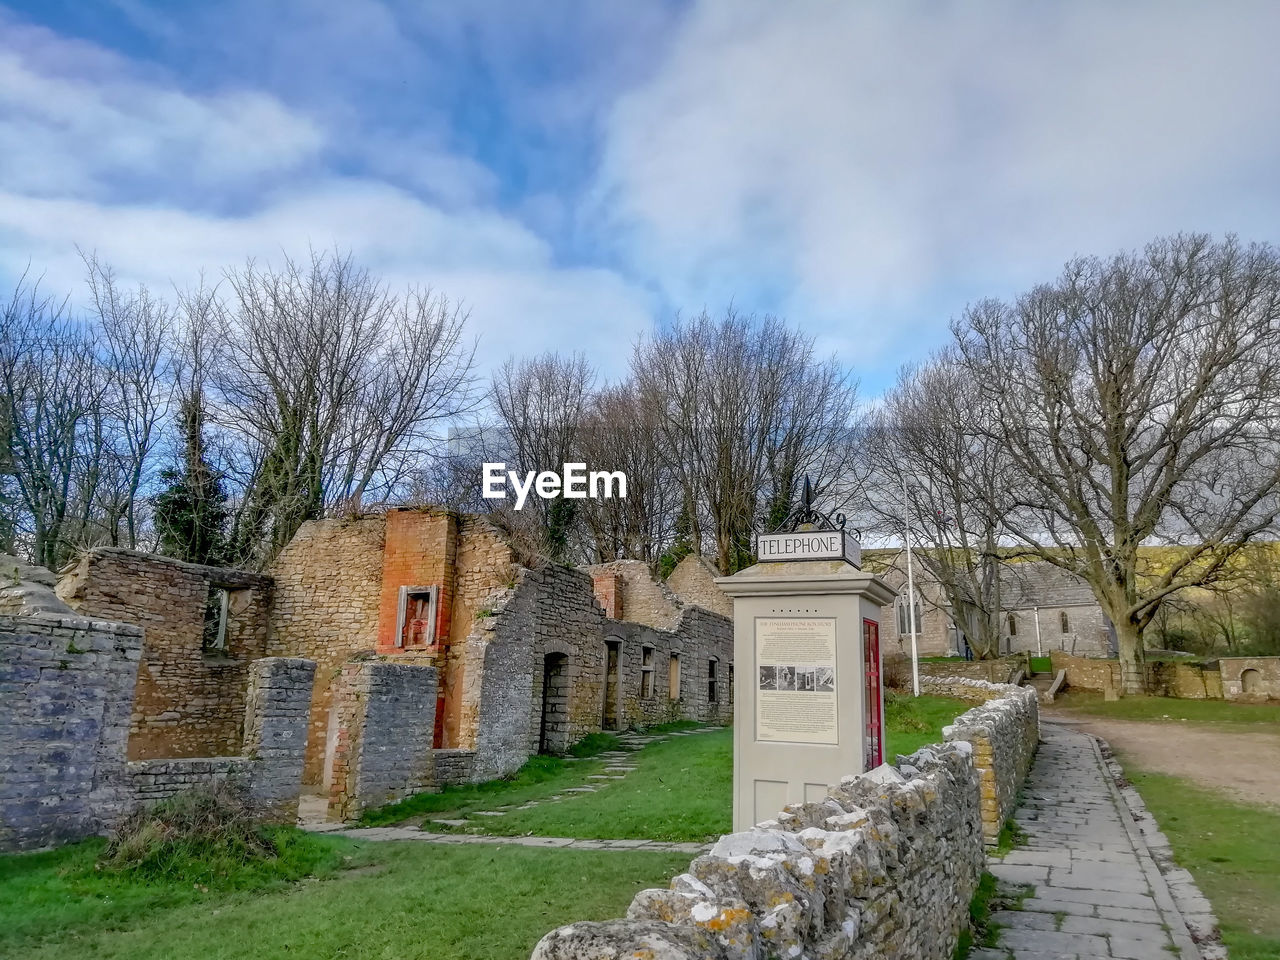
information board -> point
(796, 680)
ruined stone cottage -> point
(437, 657)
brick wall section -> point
(421, 550)
(607, 585)
(644, 599)
(883, 868)
(328, 590)
(693, 581)
(385, 716)
(66, 684)
(187, 703)
(1004, 731)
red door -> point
(874, 699)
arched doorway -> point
(1251, 682)
(554, 727)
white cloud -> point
(520, 301)
(67, 133)
(162, 183)
(862, 163)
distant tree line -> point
(1133, 401)
(213, 424)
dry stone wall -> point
(883, 869)
(1003, 731)
(66, 684)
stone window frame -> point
(1012, 623)
(646, 672)
(902, 616)
(712, 680)
(402, 610)
(675, 676)
(218, 647)
(1064, 622)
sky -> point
(577, 172)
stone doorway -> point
(612, 672)
(554, 728)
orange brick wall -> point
(421, 549)
(608, 588)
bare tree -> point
(935, 469)
(623, 432)
(333, 386)
(50, 386)
(746, 411)
(135, 333)
(1138, 401)
(542, 404)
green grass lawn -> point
(681, 789)
(914, 722)
(390, 900)
(1233, 851)
(1158, 708)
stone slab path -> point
(1094, 889)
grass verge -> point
(1237, 715)
(915, 722)
(681, 790)
(411, 901)
(1233, 851)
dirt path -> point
(1244, 765)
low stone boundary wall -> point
(1003, 730)
(452, 766)
(992, 671)
(883, 869)
(152, 780)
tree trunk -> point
(1132, 659)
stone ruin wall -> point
(269, 768)
(642, 598)
(328, 587)
(67, 684)
(883, 869)
(385, 715)
(187, 703)
(1249, 678)
(1220, 679)
(694, 582)
(1003, 732)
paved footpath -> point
(1097, 891)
